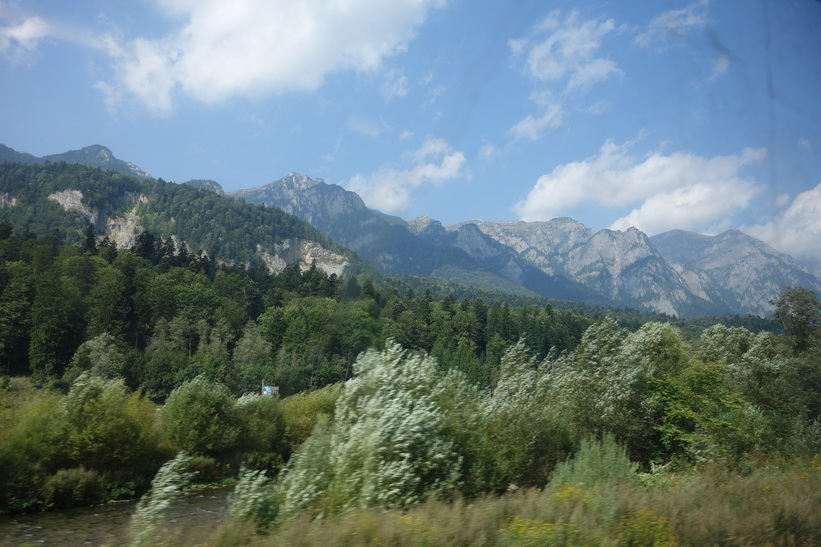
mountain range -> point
(677, 273)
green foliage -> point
(262, 430)
(597, 463)
(31, 450)
(252, 500)
(303, 411)
(484, 397)
(200, 418)
(73, 487)
(101, 431)
(799, 310)
(524, 436)
(774, 503)
(101, 355)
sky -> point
(660, 114)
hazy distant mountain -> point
(206, 184)
(621, 268)
(732, 269)
(9, 155)
(382, 240)
(91, 156)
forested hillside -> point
(76, 199)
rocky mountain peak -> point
(422, 224)
(297, 181)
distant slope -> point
(559, 259)
(732, 269)
(206, 184)
(394, 246)
(90, 156)
(605, 268)
(677, 273)
(9, 155)
(40, 198)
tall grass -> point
(770, 504)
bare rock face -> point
(72, 200)
(123, 232)
(7, 200)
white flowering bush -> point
(393, 441)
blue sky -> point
(699, 115)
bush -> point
(303, 410)
(199, 417)
(74, 487)
(598, 462)
(262, 430)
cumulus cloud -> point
(569, 51)
(20, 39)
(797, 230)
(678, 190)
(391, 188)
(676, 23)
(257, 47)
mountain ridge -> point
(677, 273)
(559, 258)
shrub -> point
(261, 430)
(73, 487)
(199, 417)
(302, 411)
(390, 445)
(598, 462)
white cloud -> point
(394, 85)
(804, 144)
(531, 128)
(488, 152)
(719, 68)
(797, 230)
(600, 107)
(678, 190)
(391, 188)
(364, 126)
(21, 39)
(700, 207)
(568, 52)
(258, 47)
(675, 22)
